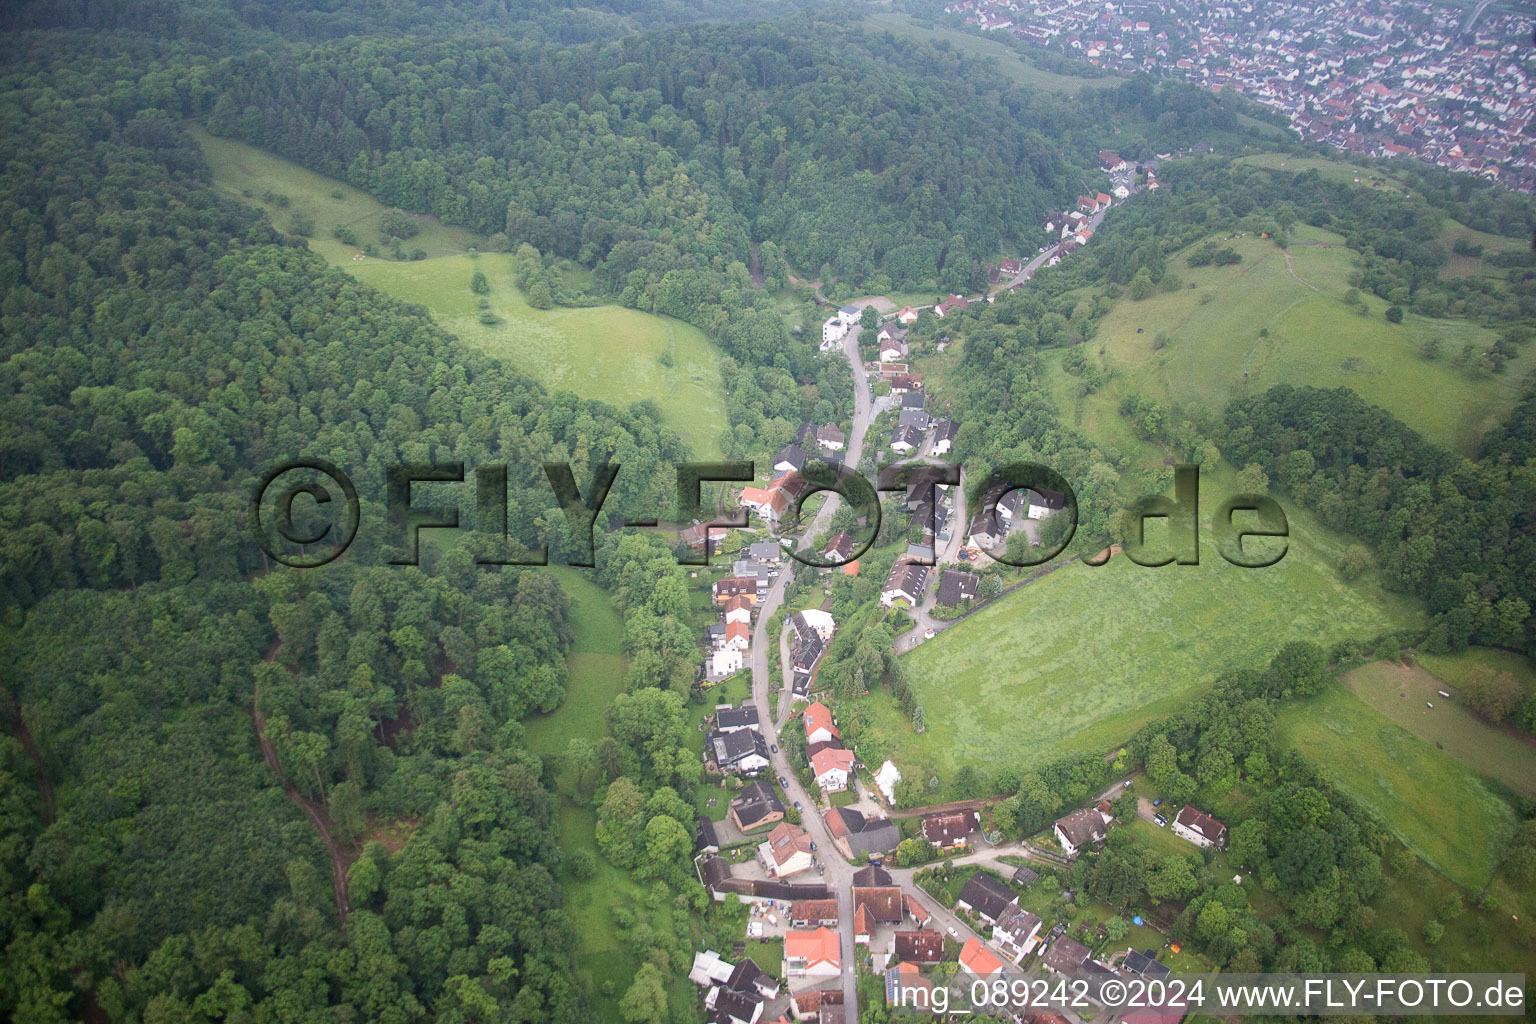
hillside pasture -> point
(1253, 325)
(1080, 658)
(1435, 804)
(1403, 694)
(609, 353)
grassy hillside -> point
(1289, 325)
(1081, 658)
(609, 353)
(1010, 62)
(1403, 693)
(1436, 805)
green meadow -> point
(1009, 62)
(608, 353)
(1437, 806)
(1258, 323)
(1080, 658)
(1403, 693)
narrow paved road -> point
(839, 873)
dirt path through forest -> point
(318, 815)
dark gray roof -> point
(955, 586)
(704, 838)
(736, 718)
(756, 802)
(732, 747)
(912, 400)
(986, 895)
(872, 874)
(1025, 876)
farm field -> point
(1010, 63)
(609, 353)
(1079, 659)
(1436, 805)
(1213, 337)
(1402, 694)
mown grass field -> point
(609, 353)
(1079, 659)
(1310, 336)
(1010, 63)
(1403, 693)
(1437, 806)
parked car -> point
(1162, 820)
(1129, 783)
(773, 748)
(953, 932)
(928, 633)
(797, 805)
(783, 782)
(1158, 802)
(813, 846)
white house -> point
(1198, 827)
(1081, 828)
(819, 727)
(786, 851)
(724, 662)
(812, 954)
(907, 316)
(709, 969)
(738, 609)
(1016, 931)
(816, 619)
(833, 332)
(832, 766)
(1042, 503)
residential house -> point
(913, 400)
(839, 549)
(918, 947)
(765, 551)
(904, 583)
(833, 330)
(956, 586)
(985, 531)
(948, 830)
(1043, 502)
(705, 840)
(811, 954)
(726, 1006)
(986, 897)
(739, 753)
(790, 457)
(819, 727)
(738, 609)
(871, 874)
(943, 436)
(914, 418)
(906, 439)
(756, 806)
(1016, 932)
(813, 912)
(695, 535)
(1011, 267)
(1065, 955)
(733, 586)
(953, 304)
(907, 316)
(907, 987)
(727, 661)
(906, 383)
(738, 635)
(730, 719)
(853, 834)
(1081, 828)
(1144, 965)
(813, 622)
(823, 1005)
(1110, 161)
(977, 959)
(831, 438)
(874, 906)
(748, 977)
(787, 850)
(1199, 828)
(832, 766)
